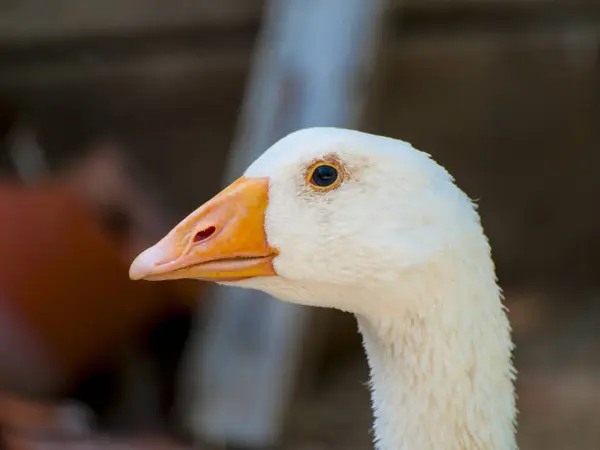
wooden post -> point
(312, 65)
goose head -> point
(321, 213)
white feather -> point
(401, 246)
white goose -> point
(367, 224)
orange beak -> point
(223, 240)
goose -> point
(369, 225)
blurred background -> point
(118, 118)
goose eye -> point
(324, 176)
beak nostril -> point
(204, 234)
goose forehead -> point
(303, 147)
(293, 157)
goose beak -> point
(223, 240)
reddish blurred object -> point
(65, 419)
(93, 443)
(65, 297)
(31, 425)
(105, 180)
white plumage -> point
(398, 244)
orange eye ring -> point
(324, 175)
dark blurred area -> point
(116, 119)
